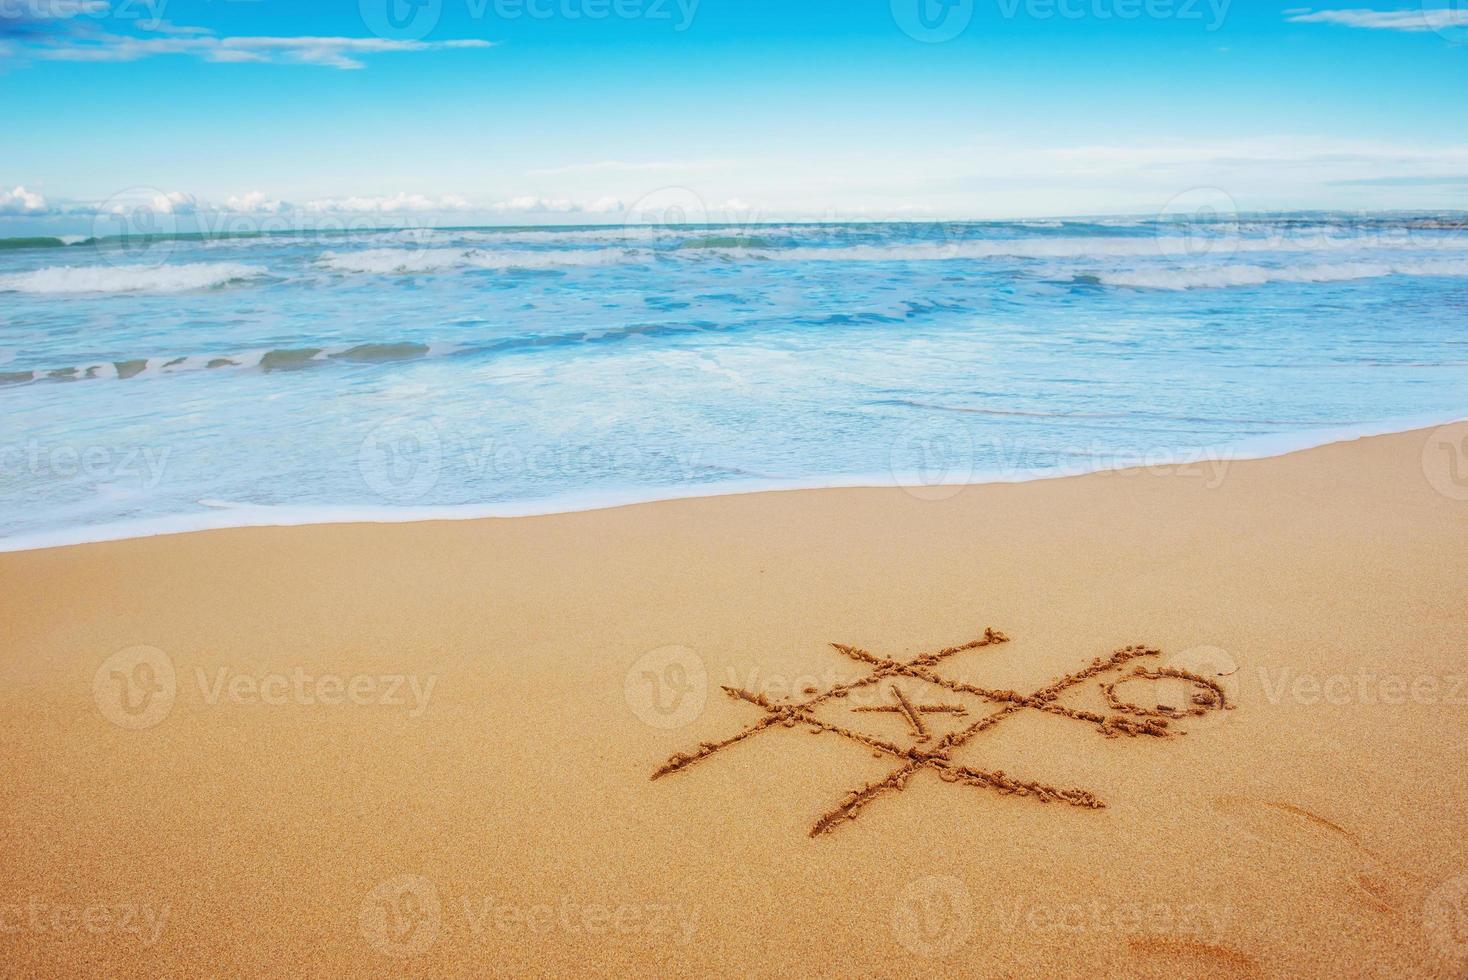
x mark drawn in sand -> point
(1129, 720)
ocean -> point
(210, 381)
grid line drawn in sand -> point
(1130, 720)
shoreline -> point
(227, 516)
(449, 746)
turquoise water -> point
(312, 376)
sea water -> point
(197, 381)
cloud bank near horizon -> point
(983, 178)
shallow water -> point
(318, 376)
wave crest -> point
(388, 261)
(72, 279)
(1227, 276)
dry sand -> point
(426, 749)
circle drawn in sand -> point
(402, 916)
(933, 916)
(667, 687)
(1445, 460)
(1217, 665)
(933, 459)
(135, 688)
(933, 21)
(1445, 918)
(400, 459)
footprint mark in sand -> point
(1287, 826)
(1203, 956)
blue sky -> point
(572, 111)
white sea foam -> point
(69, 279)
(386, 261)
(1225, 276)
(1203, 248)
(215, 514)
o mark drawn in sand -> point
(1129, 720)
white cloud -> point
(174, 202)
(255, 202)
(1416, 21)
(606, 205)
(395, 204)
(538, 205)
(22, 201)
(332, 52)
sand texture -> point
(1199, 722)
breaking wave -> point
(69, 279)
(1226, 276)
(1215, 248)
(388, 261)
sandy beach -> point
(429, 748)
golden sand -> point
(1144, 724)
